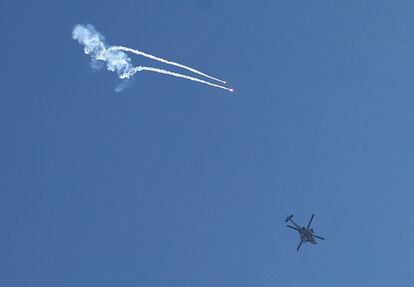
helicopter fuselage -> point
(306, 235)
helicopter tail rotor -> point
(288, 218)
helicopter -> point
(306, 234)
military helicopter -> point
(306, 234)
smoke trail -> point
(134, 70)
(137, 52)
(117, 60)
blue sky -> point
(173, 183)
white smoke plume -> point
(118, 61)
(94, 45)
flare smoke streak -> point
(152, 57)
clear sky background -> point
(172, 183)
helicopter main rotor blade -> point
(319, 237)
(297, 249)
(292, 227)
(310, 221)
